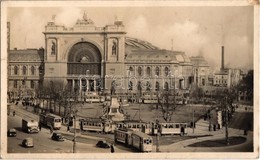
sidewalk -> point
(202, 129)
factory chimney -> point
(8, 36)
(222, 59)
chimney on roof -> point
(222, 58)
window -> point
(32, 84)
(140, 70)
(23, 82)
(157, 71)
(15, 70)
(15, 84)
(166, 71)
(24, 70)
(130, 85)
(166, 86)
(148, 86)
(32, 70)
(203, 82)
(148, 71)
(130, 71)
(157, 86)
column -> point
(87, 85)
(73, 84)
(94, 84)
(80, 85)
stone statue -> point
(53, 48)
(114, 48)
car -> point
(27, 142)
(11, 132)
(102, 144)
(57, 137)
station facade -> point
(85, 59)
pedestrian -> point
(51, 130)
(40, 126)
(13, 113)
(112, 148)
(68, 128)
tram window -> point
(57, 120)
(170, 126)
(177, 126)
(134, 126)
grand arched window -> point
(15, 70)
(32, 70)
(157, 71)
(24, 70)
(83, 57)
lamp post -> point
(74, 113)
(226, 121)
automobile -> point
(11, 132)
(57, 137)
(27, 142)
(102, 144)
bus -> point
(165, 128)
(50, 120)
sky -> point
(193, 30)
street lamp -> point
(74, 139)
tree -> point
(196, 92)
(247, 85)
(166, 107)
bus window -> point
(177, 126)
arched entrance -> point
(84, 67)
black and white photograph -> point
(139, 79)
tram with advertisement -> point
(136, 139)
(50, 120)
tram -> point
(165, 128)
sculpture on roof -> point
(85, 20)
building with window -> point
(85, 58)
(201, 71)
(25, 71)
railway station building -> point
(86, 58)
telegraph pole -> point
(226, 121)
(193, 121)
(74, 123)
